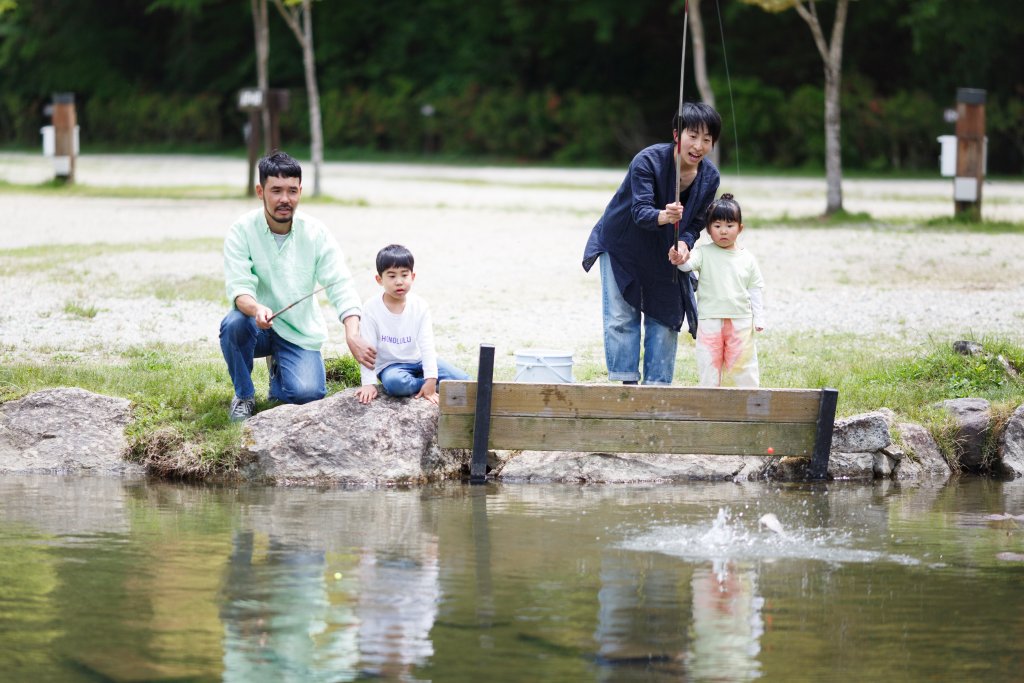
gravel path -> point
(498, 254)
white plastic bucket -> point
(544, 366)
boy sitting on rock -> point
(397, 323)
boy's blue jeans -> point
(406, 379)
(298, 374)
(622, 337)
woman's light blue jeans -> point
(297, 374)
(622, 337)
(406, 379)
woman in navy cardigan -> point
(638, 283)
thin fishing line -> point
(728, 80)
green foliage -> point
(154, 118)
(563, 127)
(586, 81)
(754, 131)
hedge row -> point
(772, 128)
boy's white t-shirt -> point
(406, 337)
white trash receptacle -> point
(544, 366)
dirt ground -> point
(498, 255)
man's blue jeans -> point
(297, 374)
(406, 379)
(622, 337)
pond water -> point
(105, 579)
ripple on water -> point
(725, 538)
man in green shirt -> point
(275, 256)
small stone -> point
(967, 348)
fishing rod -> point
(299, 301)
(679, 124)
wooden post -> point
(482, 420)
(252, 100)
(64, 123)
(823, 439)
(253, 140)
(277, 102)
(970, 152)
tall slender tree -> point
(298, 14)
(700, 63)
(261, 30)
(831, 52)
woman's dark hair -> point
(279, 165)
(699, 117)
(394, 256)
(725, 208)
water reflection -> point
(727, 623)
(356, 596)
(642, 617)
(280, 623)
(111, 579)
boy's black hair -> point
(394, 256)
(279, 165)
(725, 208)
(699, 116)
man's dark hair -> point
(279, 165)
(699, 116)
(394, 256)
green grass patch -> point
(195, 288)
(865, 221)
(62, 258)
(57, 188)
(884, 373)
(967, 225)
(78, 252)
(79, 310)
(54, 188)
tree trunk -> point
(832, 57)
(316, 128)
(261, 28)
(700, 63)
(300, 21)
(833, 146)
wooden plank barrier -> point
(616, 418)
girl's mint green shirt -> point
(276, 277)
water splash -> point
(726, 538)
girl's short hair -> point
(394, 256)
(725, 208)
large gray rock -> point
(1011, 445)
(858, 447)
(339, 440)
(65, 430)
(860, 465)
(923, 458)
(973, 417)
(864, 433)
(558, 466)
